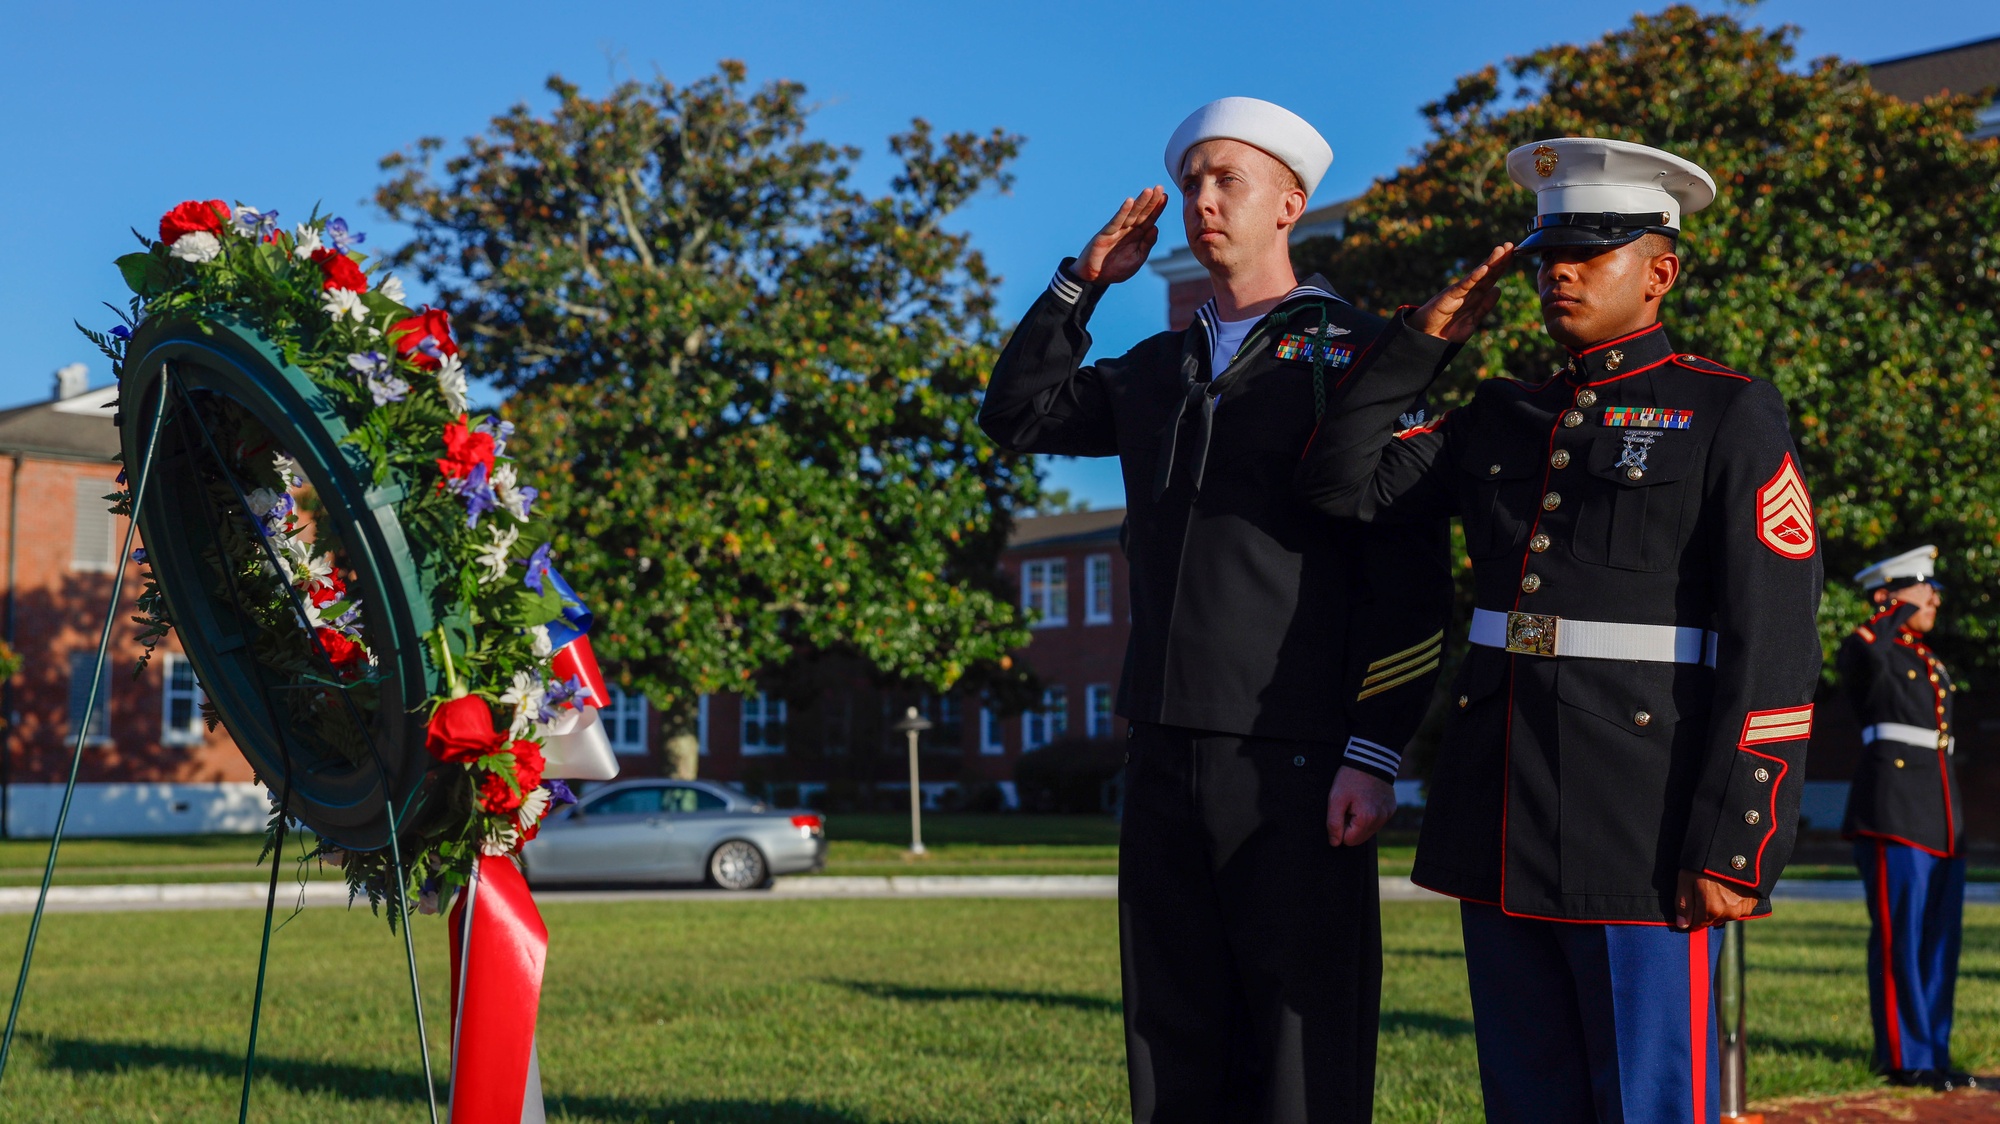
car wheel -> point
(737, 865)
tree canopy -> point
(1853, 258)
(756, 382)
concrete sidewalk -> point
(320, 893)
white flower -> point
(544, 646)
(427, 903)
(529, 697)
(507, 488)
(304, 241)
(198, 247)
(500, 839)
(451, 383)
(288, 470)
(495, 553)
(391, 287)
(344, 302)
(534, 805)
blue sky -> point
(115, 111)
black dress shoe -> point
(1956, 1079)
(1913, 1078)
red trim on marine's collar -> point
(1597, 347)
(1629, 374)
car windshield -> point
(686, 798)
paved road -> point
(250, 895)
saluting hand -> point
(1702, 901)
(1116, 252)
(1357, 807)
(1453, 314)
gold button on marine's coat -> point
(1751, 817)
(1587, 398)
(1464, 701)
(1738, 862)
(1762, 775)
(1539, 543)
(1573, 419)
(1552, 501)
(1641, 718)
(1492, 470)
(1634, 473)
(1531, 583)
(1913, 674)
(1899, 762)
(1559, 458)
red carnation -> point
(342, 652)
(342, 272)
(462, 730)
(528, 764)
(464, 450)
(192, 217)
(326, 590)
(409, 335)
(496, 797)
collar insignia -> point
(1648, 417)
(1614, 360)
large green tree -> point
(754, 382)
(1853, 259)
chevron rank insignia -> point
(1648, 417)
(1785, 515)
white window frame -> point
(1097, 707)
(762, 709)
(992, 740)
(1045, 592)
(1049, 723)
(80, 664)
(1097, 594)
(194, 731)
(626, 707)
(89, 504)
(701, 724)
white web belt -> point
(1919, 736)
(1534, 634)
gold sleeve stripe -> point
(1398, 681)
(1414, 649)
(1401, 666)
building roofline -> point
(1934, 51)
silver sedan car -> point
(656, 830)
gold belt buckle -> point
(1532, 634)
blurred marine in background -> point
(1903, 815)
(1279, 660)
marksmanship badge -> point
(1637, 443)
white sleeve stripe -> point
(1064, 288)
(1369, 753)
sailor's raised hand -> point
(1117, 252)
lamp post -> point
(1729, 1024)
(914, 724)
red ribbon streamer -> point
(577, 659)
(499, 946)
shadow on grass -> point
(1842, 1053)
(375, 1083)
(1425, 1022)
(1095, 1004)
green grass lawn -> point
(811, 1012)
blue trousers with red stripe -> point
(1592, 1023)
(1916, 906)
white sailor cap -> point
(1907, 568)
(1273, 128)
(1595, 192)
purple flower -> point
(538, 568)
(255, 223)
(564, 690)
(121, 477)
(139, 555)
(499, 430)
(559, 793)
(378, 374)
(336, 233)
(477, 492)
(120, 331)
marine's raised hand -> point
(1456, 312)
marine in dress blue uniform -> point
(1904, 817)
(1628, 731)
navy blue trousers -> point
(1916, 904)
(1592, 1023)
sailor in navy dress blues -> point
(1622, 763)
(1279, 661)
(1903, 815)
